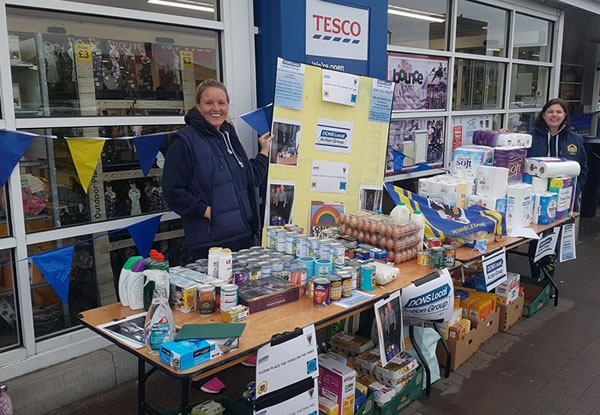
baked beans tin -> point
(449, 256)
(346, 283)
(424, 258)
(335, 291)
(434, 242)
(321, 291)
(354, 273)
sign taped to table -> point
(429, 298)
(494, 269)
(546, 245)
(567, 243)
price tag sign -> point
(83, 52)
(494, 269)
(546, 245)
(187, 58)
(567, 243)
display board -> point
(330, 136)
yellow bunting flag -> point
(85, 153)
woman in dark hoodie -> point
(208, 179)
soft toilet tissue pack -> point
(466, 160)
(546, 167)
(518, 205)
(446, 189)
(564, 187)
(499, 139)
(492, 181)
(513, 158)
(544, 208)
(494, 203)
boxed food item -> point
(511, 313)
(336, 382)
(327, 406)
(350, 344)
(184, 354)
(508, 291)
(182, 296)
(236, 314)
(267, 293)
(480, 309)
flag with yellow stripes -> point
(443, 220)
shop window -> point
(533, 38)
(9, 324)
(529, 86)
(418, 25)
(53, 197)
(4, 223)
(404, 138)
(464, 126)
(522, 122)
(204, 9)
(66, 65)
(478, 84)
(94, 274)
(481, 29)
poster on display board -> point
(421, 82)
(464, 127)
(278, 210)
(342, 147)
(402, 136)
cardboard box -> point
(464, 348)
(411, 392)
(508, 291)
(336, 382)
(537, 296)
(182, 355)
(511, 313)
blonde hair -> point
(210, 83)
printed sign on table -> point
(289, 86)
(334, 136)
(546, 245)
(567, 243)
(429, 298)
(494, 269)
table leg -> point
(185, 396)
(141, 386)
(411, 333)
(549, 277)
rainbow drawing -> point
(325, 214)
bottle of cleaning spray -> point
(160, 325)
(123, 279)
(135, 285)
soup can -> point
(449, 256)
(335, 290)
(229, 297)
(321, 291)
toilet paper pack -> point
(466, 160)
(494, 203)
(538, 184)
(519, 205)
(492, 181)
(564, 187)
(544, 211)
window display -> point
(68, 65)
(9, 331)
(204, 9)
(4, 224)
(477, 84)
(522, 122)
(465, 126)
(481, 29)
(53, 197)
(533, 38)
(529, 86)
(425, 28)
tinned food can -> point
(438, 258)
(298, 277)
(424, 258)
(434, 242)
(321, 291)
(336, 288)
(449, 256)
(346, 283)
(206, 299)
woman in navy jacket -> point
(552, 137)
(208, 179)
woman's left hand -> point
(265, 142)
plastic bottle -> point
(6, 406)
(135, 286)
(225, 265)
(400, 213)
(160, 325)
(418, 218)
(123, 279)
(158, 263)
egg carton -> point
(383, 393)
(366, 362)
(397, 370)
(349, 344)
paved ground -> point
(549, 364)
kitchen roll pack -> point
(513, 158)
(538, 184)
(499, 139)
(546, 167)
(564, 187)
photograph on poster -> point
(370, 198)
(401, 140)
(281, 202)
(286, 141)
(421, 82)
(388, 314)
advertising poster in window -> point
(404, 143)
(464, 127)
(421, 82)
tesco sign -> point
(336, 31)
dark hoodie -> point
(205, 167)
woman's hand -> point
(207, 213)
(265, 142)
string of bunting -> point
(86, 151)
(55, 265)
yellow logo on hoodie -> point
(572, 149)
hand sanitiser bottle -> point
(159, 326)
(6, 406)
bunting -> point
(13, 144)
(85, 153)
(259, 119)
(55, 266)
(143, 234)
(147, 148)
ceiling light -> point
(192, 5)
(415, 14)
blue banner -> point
(147, 147)
(13, 146)
(259, 119)
(143, 234)
(442, 220)
(55, 266)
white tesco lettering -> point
(336, 25)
